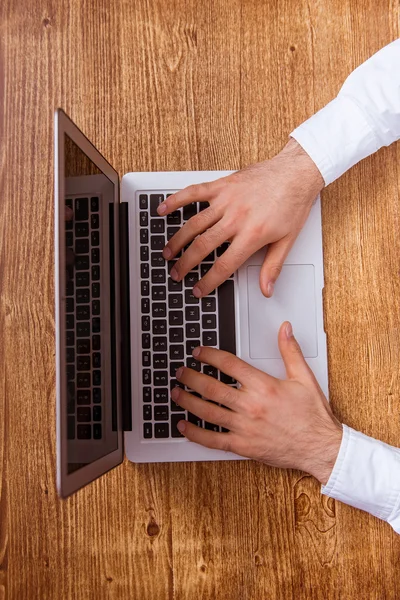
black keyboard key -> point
(95, 272)
(158, 276)
(83, 346)
(226, 316)
(209, 304)
(160, 378)
(97, 431)
(95, 238)
(96, 395)
(82, 279)
(145, 306)
(175, 301)
(211, 426)
(210, 338)
(159, 327)
(84, 397)
(96, 290)
(227, 379)
(189, 298)
(192, 330)
(83, 363)
(147, 394)
(157, 225)
(147, 412)
(71, 397)
(95, 307)
(81, 246)
(159, 310)
(69, 305)
(96, 325)
(191, 279)
(221, 249)
(70, 372)
(155, 201)
(161, 395)
(210, 371)
(175, 318)
(189, 211)
(173, 367)
(158, 292)
(96, 358)
(176, 352)
(71, 428)
(161, 413)
(159, 344)
(69, 240)
(145, 340)
(194, 419)
(160, 361)
(145, 288)
(82, 296)
(95, 255)
(144, 219)
(203, 206)
(175, 383)
(144, 271)
(194, 364)
(147, 431)
(83, 414)
(83, 380)
(171, 231)
(94, 221)
(157, 259)
(82, 263)
(175, 433)
(70, 321)
(174, 218)
(81, 230)
(204, 268)
(161, 430)
(70, 338)
(145, 323)
(94, 204)
(209, 321)
(157, 242)
(192, 313)
(82, 312)
(191, 345)
(146, 377)
(144, 253)
(84, 432)
(143, 202)
(144, 236)
(210, 257)
(176, 335)
(174, 286)
(69, 288)
(70, 355)
(81, 212)
(96, 342)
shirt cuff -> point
(337, 137)
(366, 475)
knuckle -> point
(211, 390)
(200, 244)
(275, 269)
(228, 364)
(226, 443)
(256, 410)
(221, 267)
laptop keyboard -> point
(173, 321)
(83, 330)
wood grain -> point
(175, 86)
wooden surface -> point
(187, 84)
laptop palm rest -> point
(293, 300)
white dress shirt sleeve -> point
(363, 117)
(366, 475)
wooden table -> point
(181, 85)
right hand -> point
(263, 204)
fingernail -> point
(162, 209)
(196, 292)
(175, 393)
(174, 273)
(179, 372)
(289, 331)
(181, 426)
(196, 351)
(167, 252)
(270, 288)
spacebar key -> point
(226, 316)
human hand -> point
(283, 423)
(266, 203)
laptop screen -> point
(90, 360)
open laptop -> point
(123, 326)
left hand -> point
(284, 423)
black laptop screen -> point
(89, 320)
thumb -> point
(295, 364)
(272, 265)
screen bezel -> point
(69, 483)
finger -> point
(209, 439)
(194, 193)
(196, 225)
(208, 387)
(208, 411)
(199, 249)
(273, 262)
(237, 253)
(69, 213)
(295, 364)
(227, 363)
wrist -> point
(324, 453)
(306, 169)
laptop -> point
(123, 326)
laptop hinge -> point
(125, 318)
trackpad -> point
(293, 300)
